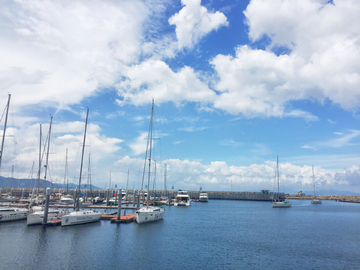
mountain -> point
(6, 182)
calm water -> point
(213, 235)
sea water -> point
(218, 234)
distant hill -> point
(6, 182)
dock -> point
(112, 217)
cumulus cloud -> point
(62, 52)
(219, 175)
(154, 78)
(23, 149)
(194, 21)
(324, 49)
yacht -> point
(149, 214)
(36, 216)
(278, 200)
(315, 200)
(13, 213)
(80, 217)
(67, 199)
(203, 197)
(182, 198)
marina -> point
(242, 230)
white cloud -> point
(62, 52)
(155, 79)
(324, 48)
(194, 21)
(23, 149)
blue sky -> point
(235, 84)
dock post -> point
(134, 197)
(138, 199)
(46, 210)
(76, 199)
(107, 197)
(119, 205)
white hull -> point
(149, 214)
(182, 203)
(285, 204)
(316, 201)
(80, 217)
(67, 201)
(37, 217)
(203, 197)
(11, 214)
(182, 199)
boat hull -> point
(285, 204)
(149, 214)
(12, 214)
(37, 217)
(316, 201)
(182, 203)
(80, 217)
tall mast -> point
(47, 156)
(66, 172)
(277, 169)
(3, 138)
(81, 165)
(165, 171)
(313, 178)
(89, 174)
(39, 170)
(150, 138)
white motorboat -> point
(279, 201)
(203, 197)
(182, 198)
(67, 199)
(37, 217)
(13, 213)
(149, 213)
(315, 200)
(80, 217)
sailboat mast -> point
(47, 156)
(66, 171)
(313, 178)
(151, 123)
(277, 169)
(3, 138)
(39, 171)
(81, 164)
(89, 174)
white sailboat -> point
(36, 215)
(149, 213)
(278, 200)
(315, 200)
(13, 213)
(81, 216)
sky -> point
(235, 84)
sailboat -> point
(315, 200)
(149, 213)
(278, 200)
(84, 216)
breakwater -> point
(264, 195)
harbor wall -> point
(264, 195)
